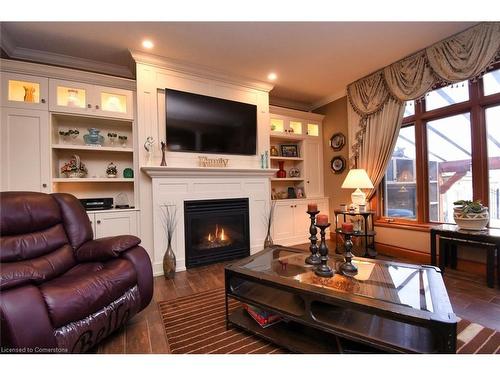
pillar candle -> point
(322, 220)
(312, 207)
(347, 227)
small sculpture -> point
(148, 145)
(29, 94)
(163, 149)
(111, 170)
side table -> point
(488, 239)
(367, 234)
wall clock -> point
(337, 164)
(337, 141)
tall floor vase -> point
(169, 263)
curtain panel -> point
(377, 101)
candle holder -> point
(314, 258)
(347, 267)
(323, 269)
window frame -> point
(476, 106)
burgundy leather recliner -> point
(60, 290)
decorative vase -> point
(29, 94)
(93, 138)
(471, 220)
(281, 172)
(169, 263)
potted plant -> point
(470, 215)
(74, 168)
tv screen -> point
(198, 123)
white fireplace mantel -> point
(199, 172)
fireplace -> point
(216, 230)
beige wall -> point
(335, 121)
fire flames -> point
(219, 235)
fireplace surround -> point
(216, 230)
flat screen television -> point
(205, 124)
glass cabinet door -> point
(114, 102)
(24, 91)
(67, 96)
(277, 125)
(313, 129)
(295, 127)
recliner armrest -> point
(105, 248)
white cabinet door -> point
(91, 216)
(25, 150)
(283, 223)
(113, 102)
(24, 91)
(302, 221)
(71, 97)
(115, 223)
(313, 168)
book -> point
(263, 317)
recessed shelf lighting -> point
(272, 76)
(147, 44)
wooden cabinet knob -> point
(98, 221)
(89, 105)
(42, 100)
(44, 185)
(96, 107)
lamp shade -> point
(357, 178)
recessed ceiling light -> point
(147, 44)
(272, 76)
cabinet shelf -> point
(286, 158)
(92, 148)
(287, 179)
(91, 179)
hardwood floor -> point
(469, 295)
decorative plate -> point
(294, 172)
(337, 164)
(337, 141)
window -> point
(493, 134)
(440, 154)
(400, 187)
(491, 82)
(452, 94)
(449, 164)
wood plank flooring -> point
(469, 295)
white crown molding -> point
(292, 104)
(328, 99)
(197, 70)
(23, 67)
(6, 42)
(295, 113)
(71, 61)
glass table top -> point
(405, 285)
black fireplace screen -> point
(216, 230)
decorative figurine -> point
(148, 145)
(261, 161)
(29, 94)
(266, 159)
(111, 170)
(163, 149)
(128, 173)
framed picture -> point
(337, 141)
(337, 164)
(289, 151)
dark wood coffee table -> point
(386, 307)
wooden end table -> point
(488, 239)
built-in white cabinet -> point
(25, 150)
(291, 221)
(24, 91)
(76, 97)
(113, 223)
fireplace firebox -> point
(216, 230)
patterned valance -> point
(466, 55)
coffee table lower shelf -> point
(296, 337)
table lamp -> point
(357, 179)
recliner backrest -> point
(38, 235)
